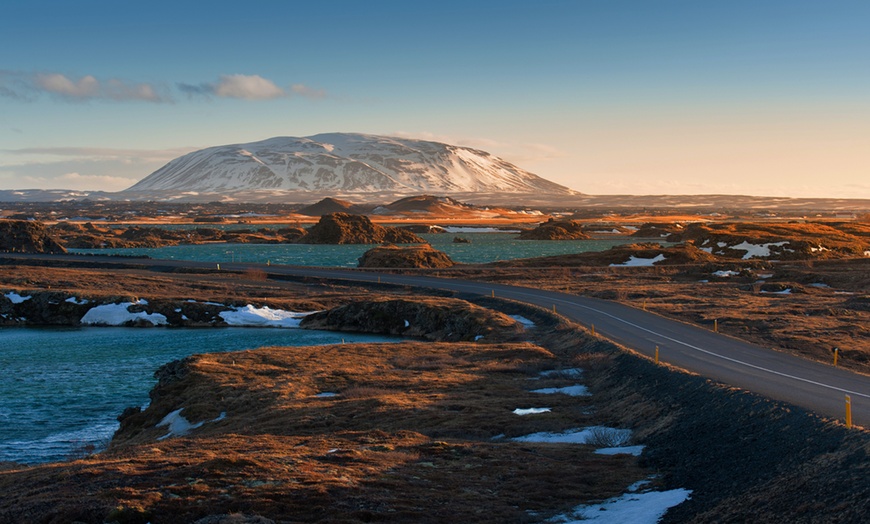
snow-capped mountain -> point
(346, 163)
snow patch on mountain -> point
(346, 162)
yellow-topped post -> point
(848, 412)
(657, 354)
(836, 355)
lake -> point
(61, 389)
(482, 248)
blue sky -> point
(606, 97)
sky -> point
(768, 98)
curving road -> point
(819, 387)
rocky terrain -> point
(434, 319)
(423, 432)
(27, 237)
(344, 228)
(390, 256)
(627, 255)
(556, 230)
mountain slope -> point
(344, 162)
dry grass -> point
(407, 438)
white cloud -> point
(248, 87)
(86, 87)
(307, 92)
(28, 86)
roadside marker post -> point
(848, 412)
(715, 325)
(554, 308)
(836, 355)
(592, 326)
(657, 355)
(493, 293)
(218, 267)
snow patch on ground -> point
(76, 301)
(634, 261)
(756, 250)
(459, 229)
(326, 394)
(577, 390)
(725, 273)
(637, 508)
(783, 292)
(567, 373)
(262, 317)
(531, 411)
(574, 436)
(180, 426)
(526, 323)
(119, 314)
(621, 450)
(15, 298)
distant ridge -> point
(345, 163)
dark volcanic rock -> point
(343, 228)
(442, 319)
(27, 237)
(423, 256)
(556, 230)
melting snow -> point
(528, 324)
(569, 373)
(74, 300)
(634, 261)
(118, 314)
(265, 316)
(180, 426)
(637, 508)
(15, 298)
(783, 292)
(574, 436)
(531, 411)
(620, 450)
(725, 273)
(756, 250)
(577, 390)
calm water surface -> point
(62, 389)
(483, 248)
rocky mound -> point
(422, 256)
(426, 204)
(441, 319)
(326, 206)
(657, 230)
(88, 236)
(556, 230)
(630, 255)
(793, 241)
(27, 237)
(344, 228)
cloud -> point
(28, 86)
(248, 87)
(307, 92)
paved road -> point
(818, 387)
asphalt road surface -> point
(819, 387)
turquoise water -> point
(62, 389)
(483, 248)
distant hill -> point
(342, 162)
(329, 205)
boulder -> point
(422, 256)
